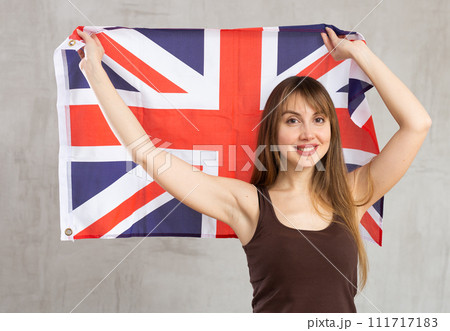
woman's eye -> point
(294, 120)
(321, 119)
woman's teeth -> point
(307, 149)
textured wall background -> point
(39, 273)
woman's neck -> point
(294, 181)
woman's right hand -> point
(92, 53)
(340, 47)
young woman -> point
(298, 222)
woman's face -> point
(303, 135)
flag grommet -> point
(72, 42)
(68, 232)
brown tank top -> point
(289, 274)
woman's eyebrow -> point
(295, 113)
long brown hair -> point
(329, 188)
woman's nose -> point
(307, 132)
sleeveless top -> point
(289, 274)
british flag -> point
(201, 92)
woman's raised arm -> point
(226, 199)
(388, 167)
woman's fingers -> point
(332, 35)
(339, 47)
(97, 41)
(326, 41)
(83, 35)
(90, 39)
(87, 38)
(332, 38)
(92, 51)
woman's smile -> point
(306, 150)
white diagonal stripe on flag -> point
(364, 234)
(269, 76)
(107, 200)
(358, 157)
(200, 88)
(361, 113)
(138, 215)
(375, 216)
(334, 80)
(130, 183)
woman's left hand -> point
(339, 47)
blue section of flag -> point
(355, 89)
(77, 79)
(379, 206)
(351, 167)
(354, 103)
(314, 28)
(188, 45)
(90, 178)
(110, 28)
(171, 219)
(294, 46)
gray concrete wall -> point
(39, 273)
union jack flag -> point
(203, 91)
